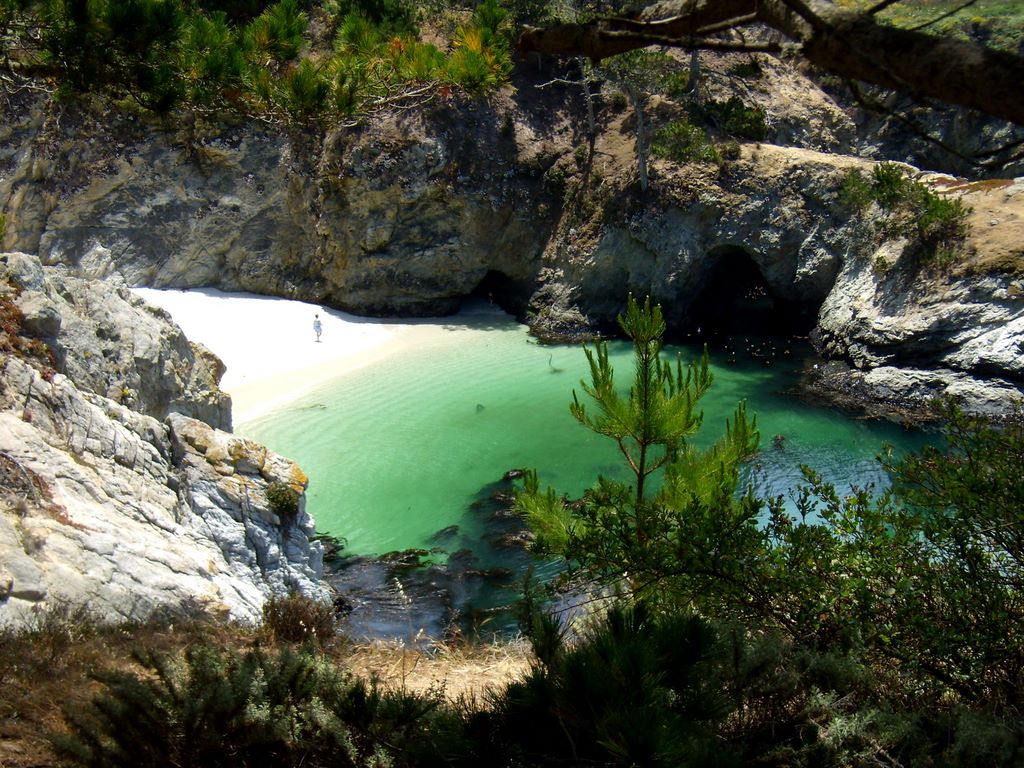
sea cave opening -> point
(735, 298)
(502, 291)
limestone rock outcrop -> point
(111, 343)
(125, 513)
(402, 218)
(774, 207)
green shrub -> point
(261, 84)
(357, 33)
(732, 116)
(347, 90)
(890, 187)
(911, 209)
(390, 18)
(213, 54)
(625, 695)
(214, 708)
(941, 219)
(277, 32)
(282, 499)
(683, 142)
(750, 69)
(481, 60)
(475, 66)
(298, 619)
(125, 44)
(677, 83)
(536, 13)
(238, 11)
(491, 17)
(420, 62)
(855, 191)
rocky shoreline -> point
(465, 585)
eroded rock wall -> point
(111, 343)
(912, 331)
(406, 215)
(413, 211)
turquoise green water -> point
(400, 450)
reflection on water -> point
(405, 454)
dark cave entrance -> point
(501, 290)
(736, 299)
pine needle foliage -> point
(307, 90)
(211, 708)
(636, 689)
(277, 32)
(213, 55)
(656, 540)
(255, 57)
(659, 413)
(683, 142)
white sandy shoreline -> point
(269, 346)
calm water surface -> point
(398, 451)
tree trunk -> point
(641, 140)
(694, 81)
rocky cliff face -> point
(124, 511)
(414, 211)
(911, 331)
(405, 216)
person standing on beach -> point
(317, 326)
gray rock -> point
(110, 508)
(42, 318)
(110, 342)
(416, 210)
(918, 331)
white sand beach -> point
(270, 348)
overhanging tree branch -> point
(852, 45)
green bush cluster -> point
(993, 23)
(282, 499)
(731, 116)
(911, 209)
(677, 83)
(253, 56)
(684, 142)
(258, 708)
(747, 70)
(908, 601)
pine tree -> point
(661, 407)
(621, 529)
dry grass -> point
(463, 672)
